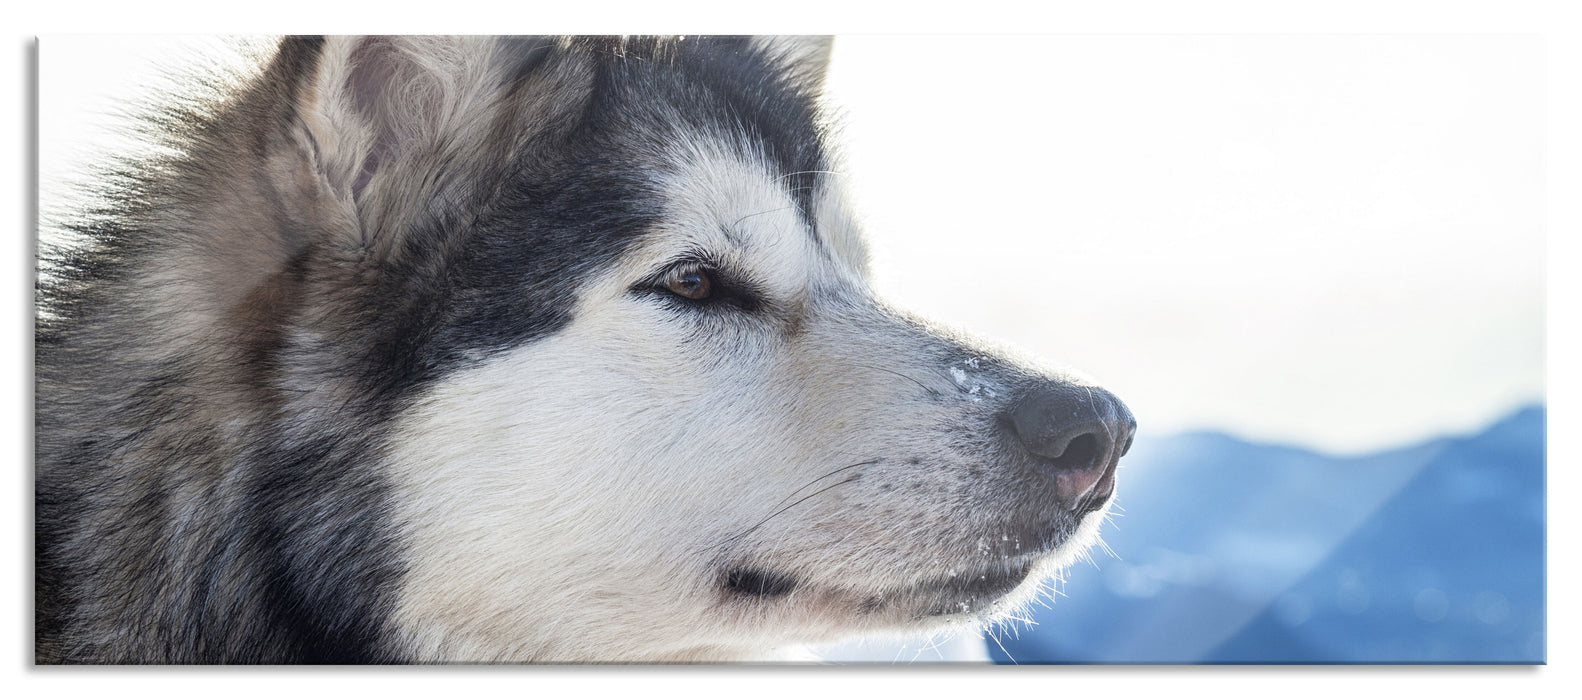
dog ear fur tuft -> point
(804, 58)
(388, 116)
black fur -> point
(759, 583)
(217, 498)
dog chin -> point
(1002, 588)
(970, 596)
(994, 599)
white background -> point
(1331, 240)
(1563, 181)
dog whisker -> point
(997, 643)
(808, 172)
(766, 211)
(799, 501)
(931, 391)
(793, 494)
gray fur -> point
(319, 386)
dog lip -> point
(975, 590)
(990, 579)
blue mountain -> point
(1235, 552)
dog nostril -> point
(1080, 453)
(1074, 436)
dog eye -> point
(688, 282)
(699, 285)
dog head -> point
(638, 400)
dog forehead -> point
(727, 201)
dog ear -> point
(803, 58)
(390, 120)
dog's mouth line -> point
(958, 590)
(992, 580)
(999, 565)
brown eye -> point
(689, 283)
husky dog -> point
(516, 349)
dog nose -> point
(1076, 435)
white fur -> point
(573, 499)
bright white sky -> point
(1335, 241)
